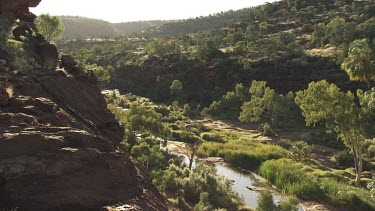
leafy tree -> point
(204, 203)
(192, 143)
(325, 103)
(360, 63)
(266, 106)
(263, 26)
(101, 74)
(49, 26)
(242, 92)
(366, 29)
(265, 202)
(176, 87)
(318, 36)
(338, 31)
(300, 151)
(142, 152)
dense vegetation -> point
(282, 67)
(80, 27)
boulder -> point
(22, 30)
(18, 7)
(48, 54)
(68, 62)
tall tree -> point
(360, 63)
(325, 103)
(49, 26)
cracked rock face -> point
(60, 146)
(59, 150)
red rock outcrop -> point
(59, 145)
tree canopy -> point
(360, 63)
(325, 103)
(49, 26)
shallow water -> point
(241, 180)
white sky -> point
(133, 10)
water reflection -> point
(241, 179)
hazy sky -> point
(133, 10)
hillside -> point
(80, 27)
(286, 44)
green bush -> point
(244, 152)
(371, 151)
(346, 195)
(289, 177)
(265, 202)
(343, 158)
(212, 137)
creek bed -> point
(242, 180)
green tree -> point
(267, 107)
(142, 152)
(325, 103)
(101, 74)
(242, 92)
(192, 143)
(204, 203)
(360, 63)
(265, 202)
(318, 36)
(49, 26)
(338, 31)
(176, 87)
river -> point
(241, 179)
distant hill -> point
(81, 27)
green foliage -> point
(176, 87)
(289, 204)
(228, 107)
(101, 73)
(300, 151)
(338, 31)
(242, 152)
(265, 202)
(366, 29)
(49, 26)
(325, 103)
(268, 107)
(371, 151)
(213, 137)
(360, 63)
(141, 120)
(347, 196)
(203, 204)
(290, 178)
(343, 158)
(242, 92)
(207, 50)
(318, 37)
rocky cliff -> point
(59, 145)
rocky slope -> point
(59, 145)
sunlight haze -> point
(123, 11)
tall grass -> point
(290, 178)
(243, 152)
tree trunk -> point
(191, 159)
(359, 166)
